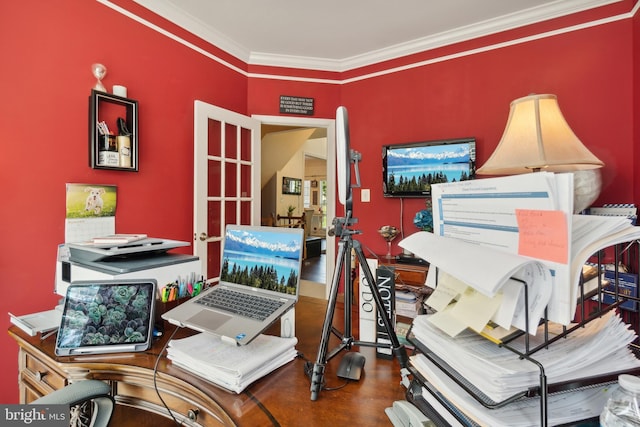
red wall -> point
(45, 82)
(590, 71)
(48, 47)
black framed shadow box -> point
(113, 132)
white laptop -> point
(258, 263)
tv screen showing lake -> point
(416, 168)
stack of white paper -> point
(484, 286)
(562, 408)
(231, 367)
(491, 233)
(599, 348)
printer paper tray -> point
(92, 252)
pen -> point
(197, 287)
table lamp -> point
(537, 137)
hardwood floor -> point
(314, 268)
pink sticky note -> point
(543, 235)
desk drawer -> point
(187, 409)
(406, 275)
(41, 376)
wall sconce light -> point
(538, 138)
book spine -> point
(367, 305)
(385, 281)
(627, 287)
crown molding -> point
(291, 61)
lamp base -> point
(586, 188)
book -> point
(627, 287)
(367, 305)
(385, 281)
(119, 238)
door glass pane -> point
(230, 210)
(214, 145)
(245, 212)
(245, 145)
(214, 177)
(231, 141)
(214, 228)
(231, 180)
(213, 259)
(245, 181)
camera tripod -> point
(345, 246)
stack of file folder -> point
(231, 367)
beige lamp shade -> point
(537, 137)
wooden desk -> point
(282, 398)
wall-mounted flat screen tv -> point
(410, 169)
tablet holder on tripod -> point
(341, 227)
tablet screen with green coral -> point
(107, 317)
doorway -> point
(319, 129)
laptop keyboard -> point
(252, 306)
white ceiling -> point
(338, 35)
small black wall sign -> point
(296, 105)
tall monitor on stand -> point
(341, 227)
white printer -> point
(143, 259)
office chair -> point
(79, 393)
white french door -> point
(226, 179)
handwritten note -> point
(543, 235)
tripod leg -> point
(398, 350)
(321, 360)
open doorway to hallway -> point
(295, 150)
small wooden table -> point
(282, 398)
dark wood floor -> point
(314, 268)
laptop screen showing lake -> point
(262, 259)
